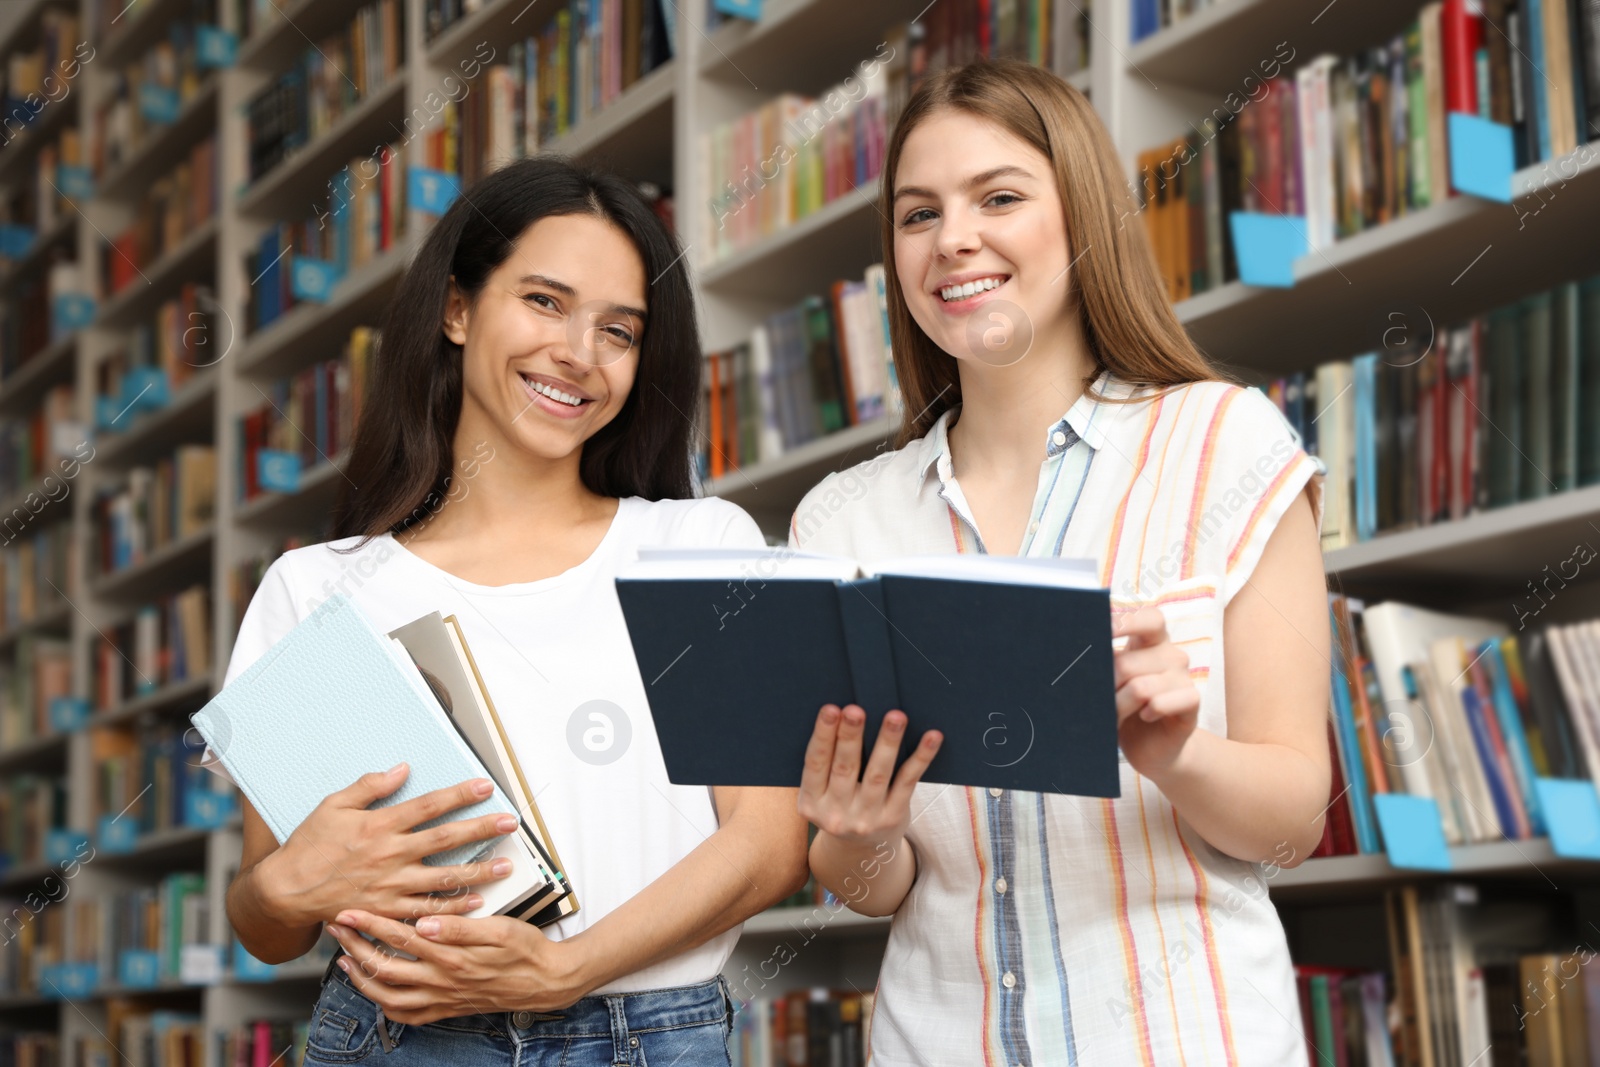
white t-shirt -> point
(557, 662)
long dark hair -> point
(400, 462)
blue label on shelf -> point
(432, 191)
(15, 240)
(246, 968)
(70, 311)
(278, 472)
(743, 9)
(68, 714)
(145, 389)
(1266, 247)
(1572, 811)
(70, 980)
(159, 103)
(216, 47)
(1413, 835)
(118, 833)
(64, 846)
(1481, 157)
(106, 411)
(139, 968)
(74, 181)
(207, 810)
(314, 279)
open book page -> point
(1012, 570)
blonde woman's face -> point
(980, 239)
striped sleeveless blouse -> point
(1046, 929)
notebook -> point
(334, 699)
(1009, 657)
(439, 649)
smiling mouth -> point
(552, 393)
(951, 293)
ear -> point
(457, 310)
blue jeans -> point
(686, 1026)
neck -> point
(501, 494)
(1006, 410)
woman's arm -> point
(753, 860)
(1260, 793)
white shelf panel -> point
(47, 621)
(1533, 859)
(770, 491)
(187, 417)
(34, 754)
(839, 240)
(632, 135)
(318, 488)
(803, 46)
(186, 559)
(190, 692)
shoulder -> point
(1203, 428)
(708, 522)
(884, 485)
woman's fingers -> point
(912, 770)
(449, 835)
(845, 770)
(819, 754)
(1155, 659)
(885, 751)
(418, 810)
(1145, 695)
(1143, 627)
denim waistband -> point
(592, 1016)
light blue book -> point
(334, 699)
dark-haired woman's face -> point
(551, 344)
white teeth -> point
(961, 292)
(552, 392)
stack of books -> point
(325, 82)
(31, 806)
(960, 32)
(264, 1041)
(148, 93)
(778, 164)
(155, 506)
(156, 921)
(181, 337)
(135, 1033)
(40, 672)
(312, 415)
(1490, 412)
(817, 1027)
(363, 216)
(31, 446)
(588, 54)
(807, 371)
(163, 644)
(35, 577)
(1354, 142)
(151, 777)
(24, 91)
(176, 205)
(1344, 1016)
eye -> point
(921, 214)
(543, 300)
(1003, 200)
(621, 334)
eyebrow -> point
(977, 179)
(568, 291)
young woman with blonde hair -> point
(1055, 407)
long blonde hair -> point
(1127, 321)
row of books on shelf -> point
(816, 1027)
(269, 1041)
(1460, 710)
(35, 576)
(807, 371)
(300, 261)
(589, 53)
(34, 79)
(774, 166)
(37, 672)
(48, 193)
(154, 506)
(31, 805)
(961, 32)
(324, 83)
(149, 92)
(177, 204)
(1355, 142)
(157, 357)
(305, 420)
(47, 308)
(149, 779)
(163, 644)
(31, 446)
(1494, 411)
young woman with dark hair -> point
(527, 429)
(1055, 407)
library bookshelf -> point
(1449, 261)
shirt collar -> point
(1085, 421)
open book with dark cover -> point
(1010, 657)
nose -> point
(958, 235)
